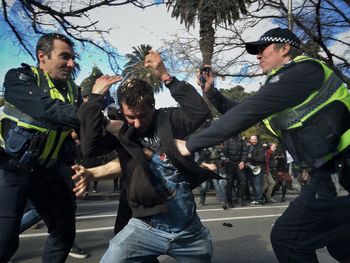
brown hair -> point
(45, 43)
(293, 51)
(136, 93)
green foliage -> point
(209, 14)
(236, 93)
(135, 67)
(2, 101)
(218, 11)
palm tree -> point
(210, 14)
(135, 67)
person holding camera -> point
(307, 106)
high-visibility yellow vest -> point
(55, 135)
(332, 90)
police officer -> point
(39, 115)
(307, 106)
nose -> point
(137, 124)
(71, 63)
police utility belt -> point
(21, 146)
(24, 147)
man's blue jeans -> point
(220, 190)
(139, 241)
(257, 182)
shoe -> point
(256, 203)
(271, 201)
(201, 204)
(36, 226)
(231, 205)
(77, 252)
(223, 205)
(243, 203)
(283, 199)
(94, 191)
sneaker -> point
(77, 252)
(94, 191)
(255, 203)
(271, 201)
(283, 199)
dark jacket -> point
(236, 150)
(22, 91)
(169, 123)
(287, 89)
(256, 154)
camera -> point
(201, 71)
(205, 69)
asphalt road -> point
(247, 241)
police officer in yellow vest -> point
(308, 107)
(39, 115)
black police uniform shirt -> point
(21, 90)
(287, 88)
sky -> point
(131, 27)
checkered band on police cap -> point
(275, 35)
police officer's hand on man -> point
(103, 84)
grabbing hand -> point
(82, 180)
(181, 147)
(103, 83)
(154, 62)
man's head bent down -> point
(136, 101)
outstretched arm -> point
(83, 176)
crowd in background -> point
(254, 171)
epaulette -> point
(25, 72)
(25, 66)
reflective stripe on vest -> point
(55, 135)
(333, 89)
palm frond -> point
(135, 68)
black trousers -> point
(316, 219)
(234, 173)
(50, 192)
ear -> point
(41, 57)
(285, 49)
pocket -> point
(16, 143)
(318, 144)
